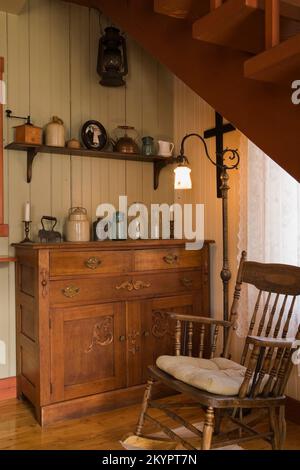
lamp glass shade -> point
(183, 177)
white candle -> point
(27, 212)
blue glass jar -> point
(148, 146)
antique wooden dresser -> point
(91, 317)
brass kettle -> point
(125, 140)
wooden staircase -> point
(239, 55)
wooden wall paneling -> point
(80, 102)
(3, 126)
(40, 105)
(1, 158)
(149, 120)
(3, 164)
(4, 278)
(134, 97)
(60, 106)
(18, 101)
(75, 105)
(165, 116)
(117, 170)
(99, 111)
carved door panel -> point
(157, 337)
(87, 350)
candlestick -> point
(27, 231)
(27, 212)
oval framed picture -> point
(94, 135)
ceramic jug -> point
(55, 133)
(77, 225)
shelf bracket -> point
(158, 166)
(31, 153)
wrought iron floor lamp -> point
(183, 181)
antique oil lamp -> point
(112, 58)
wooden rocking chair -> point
(222, 387)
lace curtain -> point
(269, 227)
(269, 216)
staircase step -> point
(183, 9)
(280, 64)
(235, 24)
(240, 25)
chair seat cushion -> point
(219, 375)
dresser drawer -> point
(67, 263)
(176, 258)
(94, 290)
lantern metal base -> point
(112, 81)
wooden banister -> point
(215, 4)
(272, 23)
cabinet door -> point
(157, 329)
(87, 350)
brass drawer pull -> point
(125, 285)
(187, 282)
(137, 285)
(134, 285)
(146, 334)
(71, 291)
(93, 263)
(122, 338)
(170, 259)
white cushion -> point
(219, 376)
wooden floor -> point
(19, 430)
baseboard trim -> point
(292, 410)
(8, 388)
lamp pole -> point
(234, 160)
(225, 273)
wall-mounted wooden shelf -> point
(32, 150)
(7, 259)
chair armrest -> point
(196, 319)
(271, 342)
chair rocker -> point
(221, 387)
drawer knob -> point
(125, 285)
(137, 285)
(146, 334)
(93, 263)
(71, 291)
(187, 282)
(122, 338)
(133, 285)
(170, 259)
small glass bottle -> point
(148, 146)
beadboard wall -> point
(50, 53)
